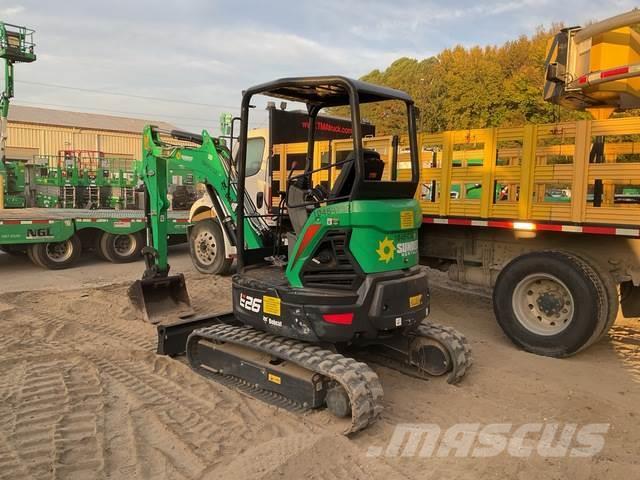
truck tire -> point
(610, 287)
(120, 248)
(30, 249)
(57, 255)
(96, 247)
(206, 248)
(550, 303)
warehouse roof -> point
(63, 118)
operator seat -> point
(373, 169)
(296, 198)
(298, 215)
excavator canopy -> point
(327, 91)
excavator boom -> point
(161, 296)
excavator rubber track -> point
(456, 344)
(361, 384)
(456, 353)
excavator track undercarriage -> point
(308, 376)
(300, 376)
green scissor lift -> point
(54, 237)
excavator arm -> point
(158, 294)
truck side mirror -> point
(259, 199)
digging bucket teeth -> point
(161, 299)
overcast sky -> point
(204, 52)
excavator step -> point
(262, 371)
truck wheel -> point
(57, 255)
(550, 303)
(206, 246)
(120, 248)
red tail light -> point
(338, 318)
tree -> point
(473, 87)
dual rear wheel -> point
(119, 247)
(55, 255)
(555, 303)
(115, 248)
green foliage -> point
(473, 87)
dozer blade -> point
(161, 299)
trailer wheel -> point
(550, 303)
(57, 255)
(120, 248)
(206, 246)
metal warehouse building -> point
(42, 131)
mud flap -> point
(161, 299)
(629, 300)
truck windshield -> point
(255, 154)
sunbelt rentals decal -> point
(387, 249)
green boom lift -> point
(16, 45)
(347, 284)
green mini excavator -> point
(310, 302)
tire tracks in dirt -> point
(165, 411)
(51, 425)
(84, 396)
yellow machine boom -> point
(596, 68)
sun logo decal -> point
(386, 250)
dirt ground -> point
(82, 396)
(18, 274)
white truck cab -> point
(211, 251)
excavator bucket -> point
(162, 300)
